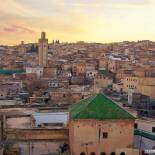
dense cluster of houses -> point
(68, 76)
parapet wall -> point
(37, 134)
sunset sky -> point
(74, 20)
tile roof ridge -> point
(116, 103)
(92, 98)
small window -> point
(113, 153)
(153, 129)
(135, 125)
(105, 135)
(102, 153)
(92, 153)
(122, 153)
(82, 153)
(39, 125)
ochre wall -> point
(37, 134)
(120, 135)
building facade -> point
(143, 85)
(98, 126)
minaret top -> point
(43, 35)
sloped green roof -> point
(10, 72)
(98, 107)
(145, 134)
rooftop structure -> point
(10, 72)
(98, 107)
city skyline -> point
(69, 21)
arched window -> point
(122, 153)
(102, 153)
(92, 153)
(82, 153)
(112, 153)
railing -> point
(145, 134)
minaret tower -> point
(43, 50)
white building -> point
(50, 119)
(90, 74)
(36, 70)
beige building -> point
(121, 73)
(103, 63)
(22, 48)
(130, 82)
(147, 86)
(43, 50)
(115, 64)
(101, 82)
(79, 68)
(65, 96)
(98, 126)
(35, 70)
(143, 85)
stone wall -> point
(37, 134)
(88, 136)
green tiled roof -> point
(10, 72)
(98, 107)
(145, 134)
(104, 72)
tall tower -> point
(43, 50)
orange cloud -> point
(16, 29)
